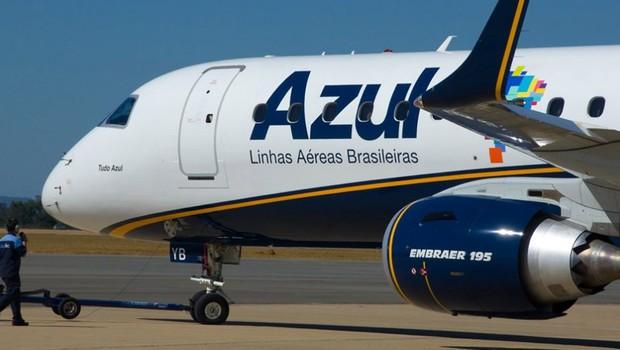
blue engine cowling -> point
(468, 255)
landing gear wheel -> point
(195, 297)
(211, 308)
(192, 303)
(69, 308)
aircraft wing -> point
(473, 97)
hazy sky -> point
(64, 65)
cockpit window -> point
(121, 115)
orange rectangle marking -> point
(495, 154)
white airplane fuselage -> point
(192, 161)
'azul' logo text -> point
(390, 128)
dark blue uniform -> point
(12, 249)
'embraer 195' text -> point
(390, 128)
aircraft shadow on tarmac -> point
(610, 344)
(490, 348)
(45, 325)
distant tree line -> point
(29, 213)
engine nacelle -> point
(494, 257)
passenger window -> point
(364, 113)
(330, 111)
(120, 116)
(555, 106)
(260, 113)
(401, 112)
(596, 106)
(294, 112)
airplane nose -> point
(70, 198)
(51, 194)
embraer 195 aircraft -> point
(489, 178)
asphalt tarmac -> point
(280, 304)
(251, 282)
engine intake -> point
(494, 257)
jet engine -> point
(494, 257)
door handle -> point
(209, 118)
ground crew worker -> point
(12, 249)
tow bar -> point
(69, 308)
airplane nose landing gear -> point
(211, 306)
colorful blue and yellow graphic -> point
(528, 90)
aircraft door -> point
(197, 153)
